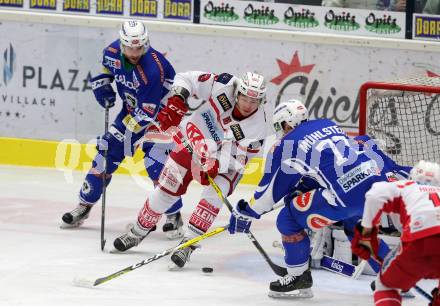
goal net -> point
(404, 117)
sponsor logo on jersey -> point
(227, 120)
(116, 133)
(237, 131)
(391, 177)
(357, 175)
(196, 139)
(223, 78)
(204, 77)
(303, 201)
(149, 108)
(130, 99)
(224, 102)
(112, 62)
(120, 78)
(316, 222)
(209, 120)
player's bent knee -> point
(286, 225)
(295, 237)
(161, 201)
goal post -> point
(404, 118)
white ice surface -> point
(38, 260)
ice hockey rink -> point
(39, 261)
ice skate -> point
(173, 227)
(291, 286)
(130, 239)
(76, 217)
(181, 257)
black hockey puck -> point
(207, 270)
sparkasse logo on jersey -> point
(222, 13)
(300, 19)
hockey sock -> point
(91, 189)
(202, 218)
(147, 219)
(297, 252)
(387, 298)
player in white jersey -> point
(414, 206)
(224, 132)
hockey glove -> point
(241, 218)
(209, 168)
(172, 114)
(103, 90)
(365, 245)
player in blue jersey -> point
(317, 158)
(143, 76)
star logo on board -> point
(287, 69)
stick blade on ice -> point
(83, 282)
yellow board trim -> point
(73, 155)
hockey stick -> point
(423, 293)
(90, 284)
(104, 178)
(278, 270)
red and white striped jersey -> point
(413, 207)
(213, 123)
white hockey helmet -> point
(134, 34)
(426, 173)
(252, 85)
(292, 113)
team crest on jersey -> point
(316, 222)
(223, 78)
(130, 99)
(112, 62)
(150, 108)
(303, 202)
(391, 177)
(204, 77)
(237, 131)
(224, 102)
